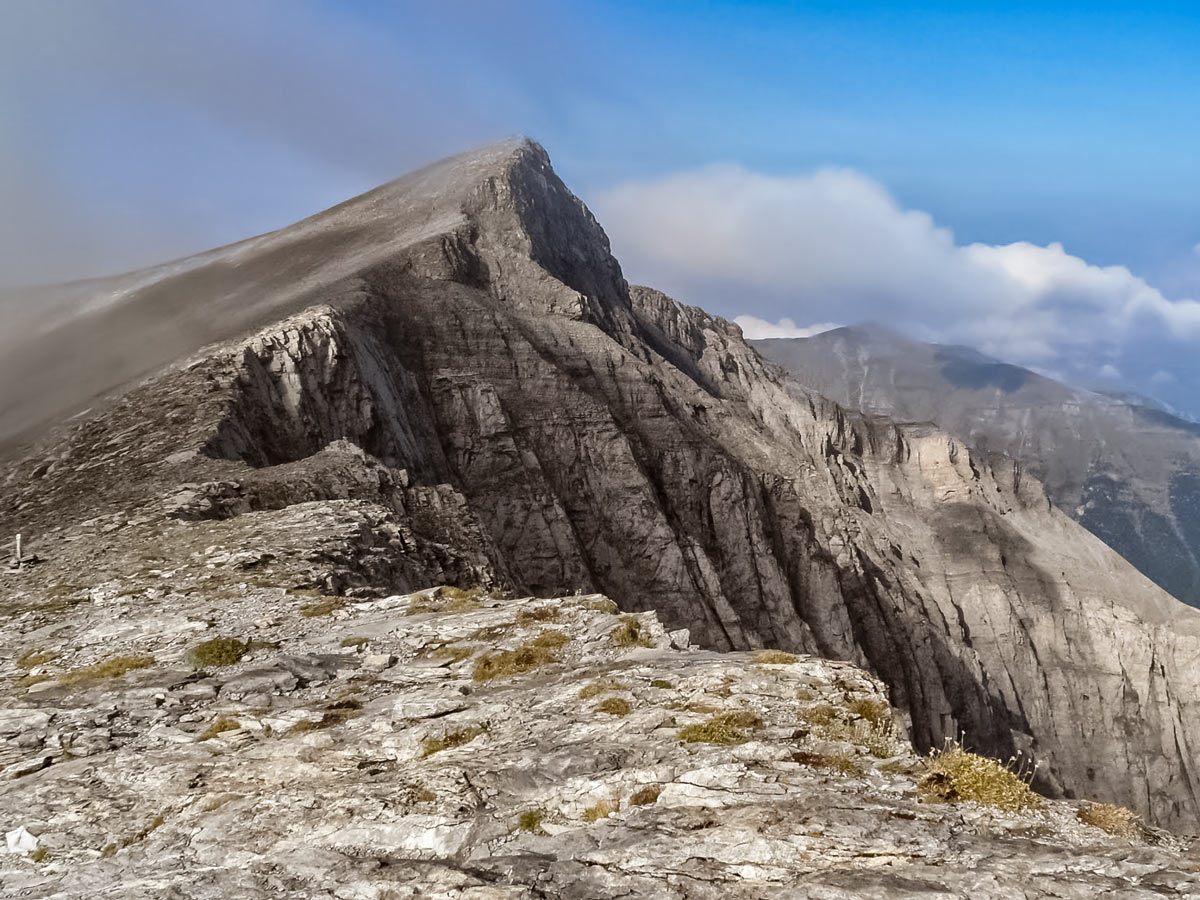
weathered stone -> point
(484, 400)
(434, 784)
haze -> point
(1021, 182)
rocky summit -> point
(282, 445)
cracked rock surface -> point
(361, 752)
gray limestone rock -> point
(447, 380)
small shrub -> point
(222, 651)
(774, 657)
(727, 728)
(956, 776)
(603, 686)
(646, 796)
(614, 706)
(630, 633)
(539, 614)
(113, 667)
(529, 656)
(664, 685)
(833, 762)
(355, 642)
(32, 657)
(601, 810)
(449, 739)
(531, 820)
(220, 726)
(1115, 820)
(41, 854)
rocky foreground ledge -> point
(451, 744)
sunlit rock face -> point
(1126, 470)
(447, 380)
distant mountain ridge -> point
(1127, 470)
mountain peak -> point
(496, 218)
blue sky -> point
(135, 131)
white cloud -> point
(1110, 371)
(1162, 378)
(836, 246)
(757, 329)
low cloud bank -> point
(834, 246)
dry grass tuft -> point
(222, 651)
(600, 604)
(529, 656)
(878, 713)
(335, 714)
(630, 633)
(113, 667)
(220, 726)
(774, 657)
(601, 810)
(453, 652)
(446, 599)
(727, 728)
(822, 714)
(31, 658)
(1115, 820)
(456, 599)
(958, 776)
(540, 614)
(646, 796)
(447, 740)
(531, 820)
(603, 686)
(356, 641)
(321, 607)
(841, 763)
(663, 684)
(614, 706)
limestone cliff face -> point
(1125, 470)
(604, 437)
